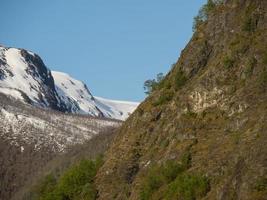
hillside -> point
(201, 134)
(91, 149)
(30, 137)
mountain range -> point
(24, 76)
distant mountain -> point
(24, 76)
(78, 99)
(115, 109)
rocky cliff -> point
(208, 115)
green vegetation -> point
(165, 83)
(172, 181)
(228, 62)
(164, 97)
(76, 183)
(158, 176)
(47, 186)
(160, 82)
(204, 12)
(250, 20)
(188, 187)
(248, 25)
(261, 184)
(152, 84)
(180, 79)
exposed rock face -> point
(36, 68)
(212, 104)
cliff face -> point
(211, 105)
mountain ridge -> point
(24, 76)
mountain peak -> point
(23, 75)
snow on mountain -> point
(78, 99)
(24, 76)
(23, 125)
(116, 109)
(75, 94)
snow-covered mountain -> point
(77, 97)
(24, 76)
(115, 109)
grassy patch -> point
(75, 183)
(158, 176)
(171, 180)
(165, 96)
(187, 187)
(165, 83)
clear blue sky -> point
(112, 45)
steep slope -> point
(30, 137)
(78, 99)
(75, 95)
(91, 149)
(208, 115)
(24, 76)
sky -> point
(112, 46)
